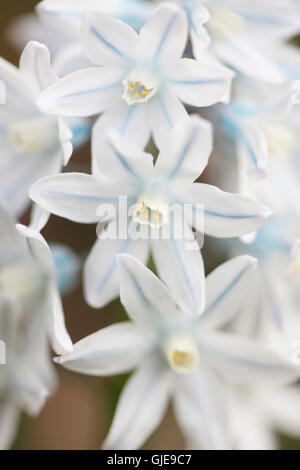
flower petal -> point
(146, 299)
(199, 83)
(118, 159)
(59, 337)
(141, 407)
(246, 361)
(113, 350)
(129, 121)
(75, 196)
(179, 263)
(164, 111)
(83, 93)
(19, 92)
(225, 214)
(35, 64)
(186, 150)
(101, 274)
(238, 52)
(164, 36)
(225, 289)
(200, 409)
(107, 40)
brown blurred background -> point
(79, 414)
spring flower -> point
(236, 29)
(176, 356)
(34, 144)
(151, 191)
(140, 81)
(30, 313)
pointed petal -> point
(118, 159)
(199, 83)
(246, 361)
(226, 288)
(75, 196)
(164, 36)
(35, 64)
(107, 40)
(141, 407)
(113, 350)
(179, 263)
(101, 274)
(186, 150)
(225, 214)
(83, 93)
(200, 409)
(146, 299)
(164, 111)
(129, 121)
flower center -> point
(280, 141)
(224, 23)
(35, 134)
(151, 212)
(182, 353)
(139, 87)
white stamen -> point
(280, 141)
(224, 23)
(35, 134)
(150, 211)
(182, 353)
(139, 87)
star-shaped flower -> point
(177, 356)
(140, 80)
(151, 192)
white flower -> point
(237, 28)
(258, 413)
(34, 144)
(177, 355)
(140, 80)
(30, 313)
(154, 190)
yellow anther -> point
(132, 86)
(146, 91)
(182, 359)
(137, 94)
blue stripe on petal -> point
(109, 45)
(165, 36)
(124, 162)
(184, 153)
(223, 293)
(184, 272)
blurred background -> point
(79, 414)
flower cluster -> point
(191, 110)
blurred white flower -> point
(140, 80)
(120, 169)
(177, 355)
(33, 144)
(30, 313)
(236, 29)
